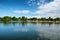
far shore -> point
(32, 21)
(45, 21)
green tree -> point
(14, 18)
(50, 19)
(57, 19)
(34, 18)
(6, 18)
(0, 18)
(24, 18)
(19, 18)
(43, 19)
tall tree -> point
(6, 18)
(14, 18)
(34, 18)
(50, 19)
(43, 19)
(24, 18)
(57, 19)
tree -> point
(50, 19)
(34, 18)
(43, 19)
(24, 18)
(6, 18)
(57, 19)
(14, 18)
(19, 18)
(0, 18)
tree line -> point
(23, 18)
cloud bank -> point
(21, 11)
(51, 9)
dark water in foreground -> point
(29, 31)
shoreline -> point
(42, 21)
(34, 21)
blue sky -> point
(30, 8)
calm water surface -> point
(29, 31)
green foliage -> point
(57, 19)
(19, 18)
(34, 18)
(23, 18)
(0, 18)
(50, 19)
(43, 19)
(6, 18)
(14, 18)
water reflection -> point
(50, 23)
(14, 23)
(29, 31)
(21, 30)
(51, 32)
(23, 23)
(6, 23)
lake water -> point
(29, 31)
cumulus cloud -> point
(21, 11)
(50, 9)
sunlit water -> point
(29, 31)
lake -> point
(29, 31)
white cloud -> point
(21, 11)
(51, 9)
